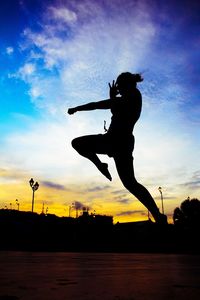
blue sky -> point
(59, 54)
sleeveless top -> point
(125, 113)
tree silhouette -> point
(188, 214)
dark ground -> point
(97, 276)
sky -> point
(58, 54)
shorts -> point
(107, 144)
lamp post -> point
(161, 196)
(17, 202)
(34, 187)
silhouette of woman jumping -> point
(118, 141)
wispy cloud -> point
(10, 175)
(165, 197)
(9, 50)
(63, 14)
(98, 188)
(194, 183)
(87, 43)
(45, 146)
(123, 201)
(82, 50)
(27, 70)
(53, 185)
(130, 213)
(120, 192)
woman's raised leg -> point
(124, 165)
(88, 146)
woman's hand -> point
(113, 90)
(71, 111)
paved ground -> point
(94, 276)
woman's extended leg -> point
(124, 165)
(88, 146)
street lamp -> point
(161, 196)
(17, 202)
(34, 187)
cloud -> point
(194, 183)
(78, 205)
(94, 49)
(130, 212)
(123, 201)
(53, 185)
(9, 50)
(121, 192)
(63, 14)
(10, 175)
(165, 198)
(81, 52)
(44, 148)
(26, 71)
(98, 188)
(121, 196)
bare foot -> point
(103, 168)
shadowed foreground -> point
(108, 276)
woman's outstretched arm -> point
(104, 104)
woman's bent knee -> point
(75, 143)
(85, 144)
(80, 145)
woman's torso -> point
(125, 113)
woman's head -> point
(127, 81)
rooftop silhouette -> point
(89, 232)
